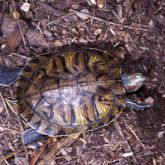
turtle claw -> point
(36, 145)
(136, 106)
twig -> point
(41, 151)
(4, 159)
(2, 15)
(55, 21)
(19, 55)
(126, 147)
(48, 8)
(3, 101)
(128, 7)
(115, 24)
(10, 106)
(18, 21)
(10, 155)
(22, 130)
(133, 132)
(64, 142)
(9, 129)
(131, 39)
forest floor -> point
(29, 29)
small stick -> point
(62, 143)
(41, 151)
(133, 132)
(55, 21)
(2, 15)
(3, 101)
(115, 24)
(18, 21)
(19, 55)
(127, 147)
(10, 106)
(4, 158)
(9, 129)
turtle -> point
(62, 92)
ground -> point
(135, 137)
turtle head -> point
(132, 82)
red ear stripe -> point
(131, 88)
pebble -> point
(3, 46)
(25, 7)
(160, 134)
(69, 149)
(83, 16)
(128, 154)
(163, 95)
(155, 79)
(1, 129)
(149, 100)
(47, 33)
(98, 31)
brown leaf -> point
(15, 38)
(8, 25)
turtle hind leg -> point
(8, 75)
(136, 106)
(33, 139)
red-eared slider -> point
(62, 92)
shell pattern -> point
(62, 92)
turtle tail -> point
(8, 75)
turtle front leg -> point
(136, 106)
(33, 139)
(8, 75)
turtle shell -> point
(61, 92)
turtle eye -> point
(101, 98)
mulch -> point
(35, 27)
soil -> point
(36, 27)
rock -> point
(98, 31)
(25, 7)
(47, 33)
(83, 15)
(149, 100)
(160, 134)
(163, 95)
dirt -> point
(134, 137)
